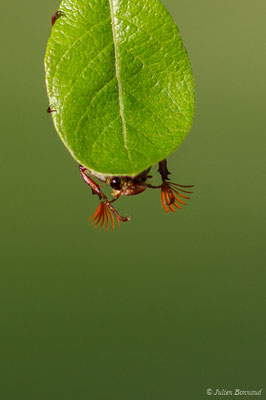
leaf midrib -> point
(117, 72)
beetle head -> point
(127, 186)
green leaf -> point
(120, 79)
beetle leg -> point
(170, 192)
(56, 15)
(163, 170)
(105, 212)
(118, 217)
(93, 185)
(50, 109)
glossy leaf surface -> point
(120, 79)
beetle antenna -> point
(105, 212)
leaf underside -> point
(120, 79)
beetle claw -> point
(57, 15)
(50, 109)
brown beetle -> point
(128, 186)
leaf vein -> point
(90, 102)
(120, 92)
(145, 106)
(82, 72)
(81, 37)
(101, 133)
(144, 31)
(142, 134)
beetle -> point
(129, 186)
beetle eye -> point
(115, 183)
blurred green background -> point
(169, 305)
